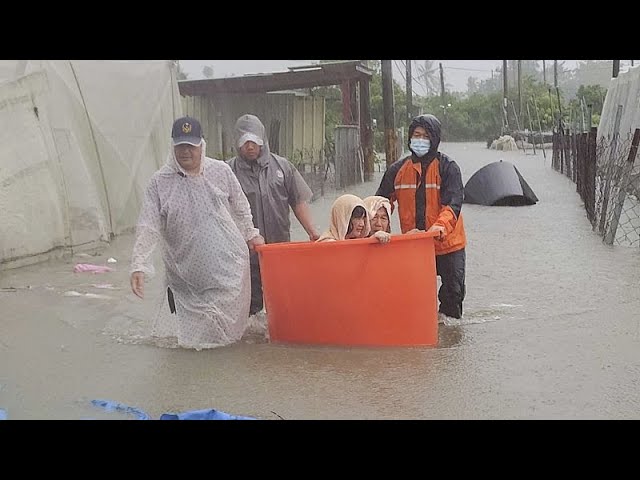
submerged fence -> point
(607, 177)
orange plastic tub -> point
(352, 292)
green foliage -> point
(589, 72)
(478, 115)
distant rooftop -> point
(306, 76)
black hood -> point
(432, 125)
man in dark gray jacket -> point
(272, 184)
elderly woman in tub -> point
(349, 220)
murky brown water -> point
(551, 330)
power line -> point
(404, 78)
(419, 82)
(467, 69)
(395, 62)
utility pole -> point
(544, 71)
(520, 88)
(409, 94)
(555, 84)
(504, 78)
(616, 68)
(387, 104)
(366, 129)
(444, 102)
(504, 95)
(442, 83)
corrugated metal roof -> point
(310, 76)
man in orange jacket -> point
(427, 185)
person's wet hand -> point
(257, 240)
(383, 237)
(415, 230)
(137, 283)
(440, 229)
(313, 236)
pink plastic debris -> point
(88, 267)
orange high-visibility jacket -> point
(443, 195)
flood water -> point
(551, 330)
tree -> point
(588, 72)
(377, 107)
(207, 71)
(429, 74)
(491, 85)
(472, 85)
(181, 75)
(593, 95)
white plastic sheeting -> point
(623, 90)
(203, 222)
(79, 141)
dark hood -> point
(432, 125)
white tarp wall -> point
(623, 90)
(78, 142)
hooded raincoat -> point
(374, 203)
(341, 217)
(429, 191)
(203, 223)
(272, 185)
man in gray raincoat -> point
(272, 184)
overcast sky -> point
(456, 72)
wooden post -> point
(505, 123)
(579, 165)
(347, 114)
(533, 133)
(553, 113)
(590, 176)
(520, 88)
(574, 154)
(504, 78)
(559, 107)
(554, 150)
(535, 103)
(513, 107)
(347, 148)
(366, 129)
(387, 104)
(353, 103)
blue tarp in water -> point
(208, 414)
(110, 406)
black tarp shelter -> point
(499, 184)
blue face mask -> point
(420, 146)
